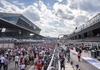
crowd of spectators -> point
(38, 55)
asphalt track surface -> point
(82, 64)
(11, 66)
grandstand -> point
(18, 26)
(89, 31)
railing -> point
(91, 22)
(50, 64)
(58, 61)
(55, 62)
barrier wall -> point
(6, 45)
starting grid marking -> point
(90, 60)
(93, 62)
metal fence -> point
(55, 62)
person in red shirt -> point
(79, 56)
(39, 65)
(21, 59)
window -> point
(12, 19)
(24, 24)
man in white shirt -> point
(16, 60)
(2, 58)
(22, 66)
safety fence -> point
(55, 62)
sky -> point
(54, 17)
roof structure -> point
(17, 25)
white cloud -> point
(42, 6)
(19, 4)
(86, 5)
(90, 6)
(8, 7)
(36, 5)
(62, 11)
(60, 0)
(32, 13)
(1, 9)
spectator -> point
(62, 63)
(6, 64)
(21, 59)
(79, 56)
(68, 57)
(77, 67)
(39, 65)
(22, 66)
(16, 60)
(2, 58)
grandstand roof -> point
(18, 22)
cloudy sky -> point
(54, 17)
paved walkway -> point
(11, 66)
(32, 68)
(68, 66)
(86, 63)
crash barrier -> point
(50, 64)
(55, 62)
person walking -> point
(39, 65)
(68, 57)
(77, 67)
(2, 58)
(62, 63)
(79, 56)
(16, 60)
(6, 64)
(22, 66)
(22, 59)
